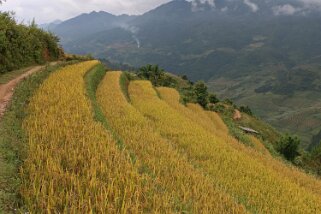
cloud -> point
(47, 11)
(286, 9)
(198, 5)
(251, 5)
(312, 2)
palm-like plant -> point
(151, 72)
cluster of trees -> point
(153, 73)
(289, 147)
(315, 159)
(22, 45)
(312, 159)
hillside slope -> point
(261, 53)
(131, 148)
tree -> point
(184, 77)
(246, 110)
(201, 93)
(212, 98)
(316, 159)
(152, 73)
(288, 146)
(22, 45)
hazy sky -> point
(45, 11)
(48, 10)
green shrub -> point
(22, 45)
(246, 109)
(201, 93)
(288, 146)
(152, 73)
(212, 98)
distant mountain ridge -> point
(262, 53)
(50, 26)
(88, 24)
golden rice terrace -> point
(129, 147)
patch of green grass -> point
(124, 82)
(267, 132)
(92, 80)
(8, 76)
(13, 141)
(236, 132)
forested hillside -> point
(23, 45)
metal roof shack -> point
(249, 130)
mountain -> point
(261, 53)
(88, 24)
(50, 26)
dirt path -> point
(237, 115)
(6, 90)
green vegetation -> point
(13, 140)
(152, 73)
(311, 160)
(315, 159)
(71, 57)
(316, 141)
(8, 76)
(201, 93)
(246, 110)
(212, 98)
(297, 113)
(288, 146)
(22, 45)
(93, 79)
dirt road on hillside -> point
(6, 90)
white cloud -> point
(286, 9)
(197, 5)
(224, 9)
(251, 5)
(46, 11)
(312, 2)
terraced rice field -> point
(184, 189)
(259, 188)
(74, 165)
(209, 119)
(172, 159)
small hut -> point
(249, 130)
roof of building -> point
(246, 129)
